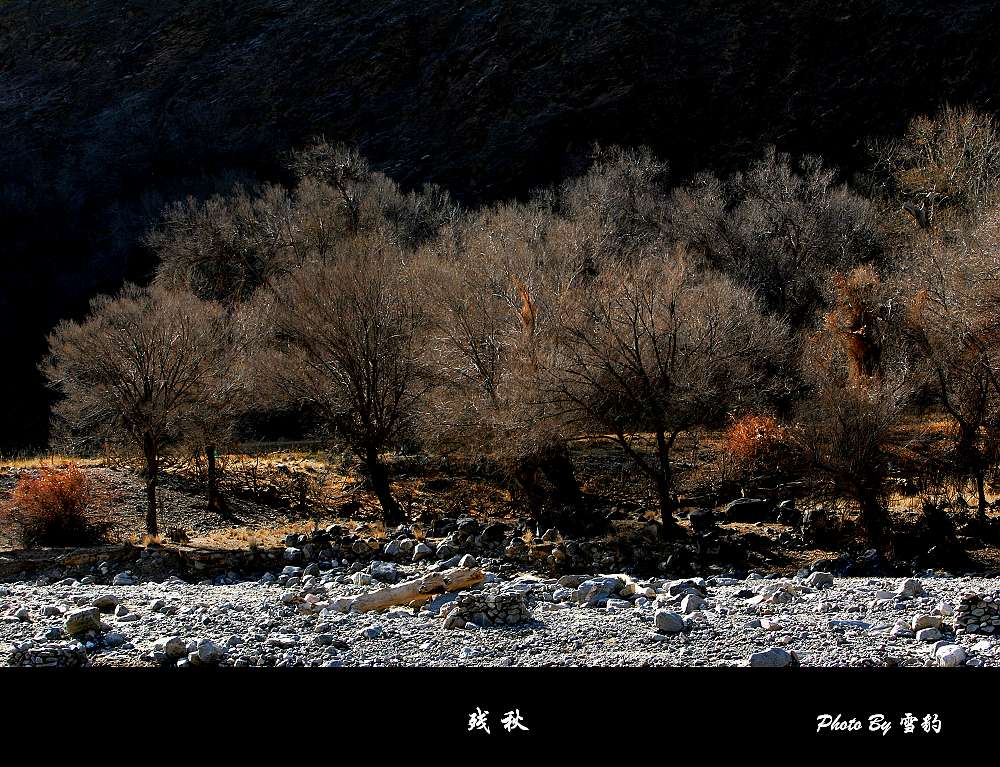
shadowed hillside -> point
(109, 110)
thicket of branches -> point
(622, 305)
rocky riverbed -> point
(301, 616)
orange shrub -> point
(56, 507)
(755, 442)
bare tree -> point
(861, 378)
(227, 247)
(945, 164)
(491, 289)
(358, 200)
(227, 395)
(954, 318)
(138, 368)
(618, 208)
(347, 339)
(781, 228)
(656, 347)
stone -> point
(422, 551)
(209, 653)
(668, 622)
(950, 655)
(691, 603)
(594, 592)
(776, 657)
(856, 625)
(749, 510)
(172, 648)
(925, 621)
(106, 602)
(406, 546)
(386, 572)
(49, 655)
(83, 620)
(928, 635)
(702, 521)
(945, 609)
(910, 588)
(686, 586)
(771, 625)
(819, 580)
(488, 607)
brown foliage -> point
(58, 507)
(758, 443)
(855, 319)
(860, 371)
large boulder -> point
(170, 648)
(749, 510)
(83, 620)
(595, 591)
(950, 655)
(668, 622)
(776, 657)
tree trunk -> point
(526, 477)
(874, 520)
(378, 474)
(149, 453)
(558, 469)
(981, 491)
(669, 527)
(415, 592)
(214, 500)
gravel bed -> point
(294, 618)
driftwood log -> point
(418, 591)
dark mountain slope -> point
(109, 109)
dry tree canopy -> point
(347, 339)
(141, 368)
(659, 347)
(612, 305)
(943, 167)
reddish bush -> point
(757, 442)
(56, 507)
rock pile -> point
(48, 655)
(978, 614)
(485, 608)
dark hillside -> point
(110, 109)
